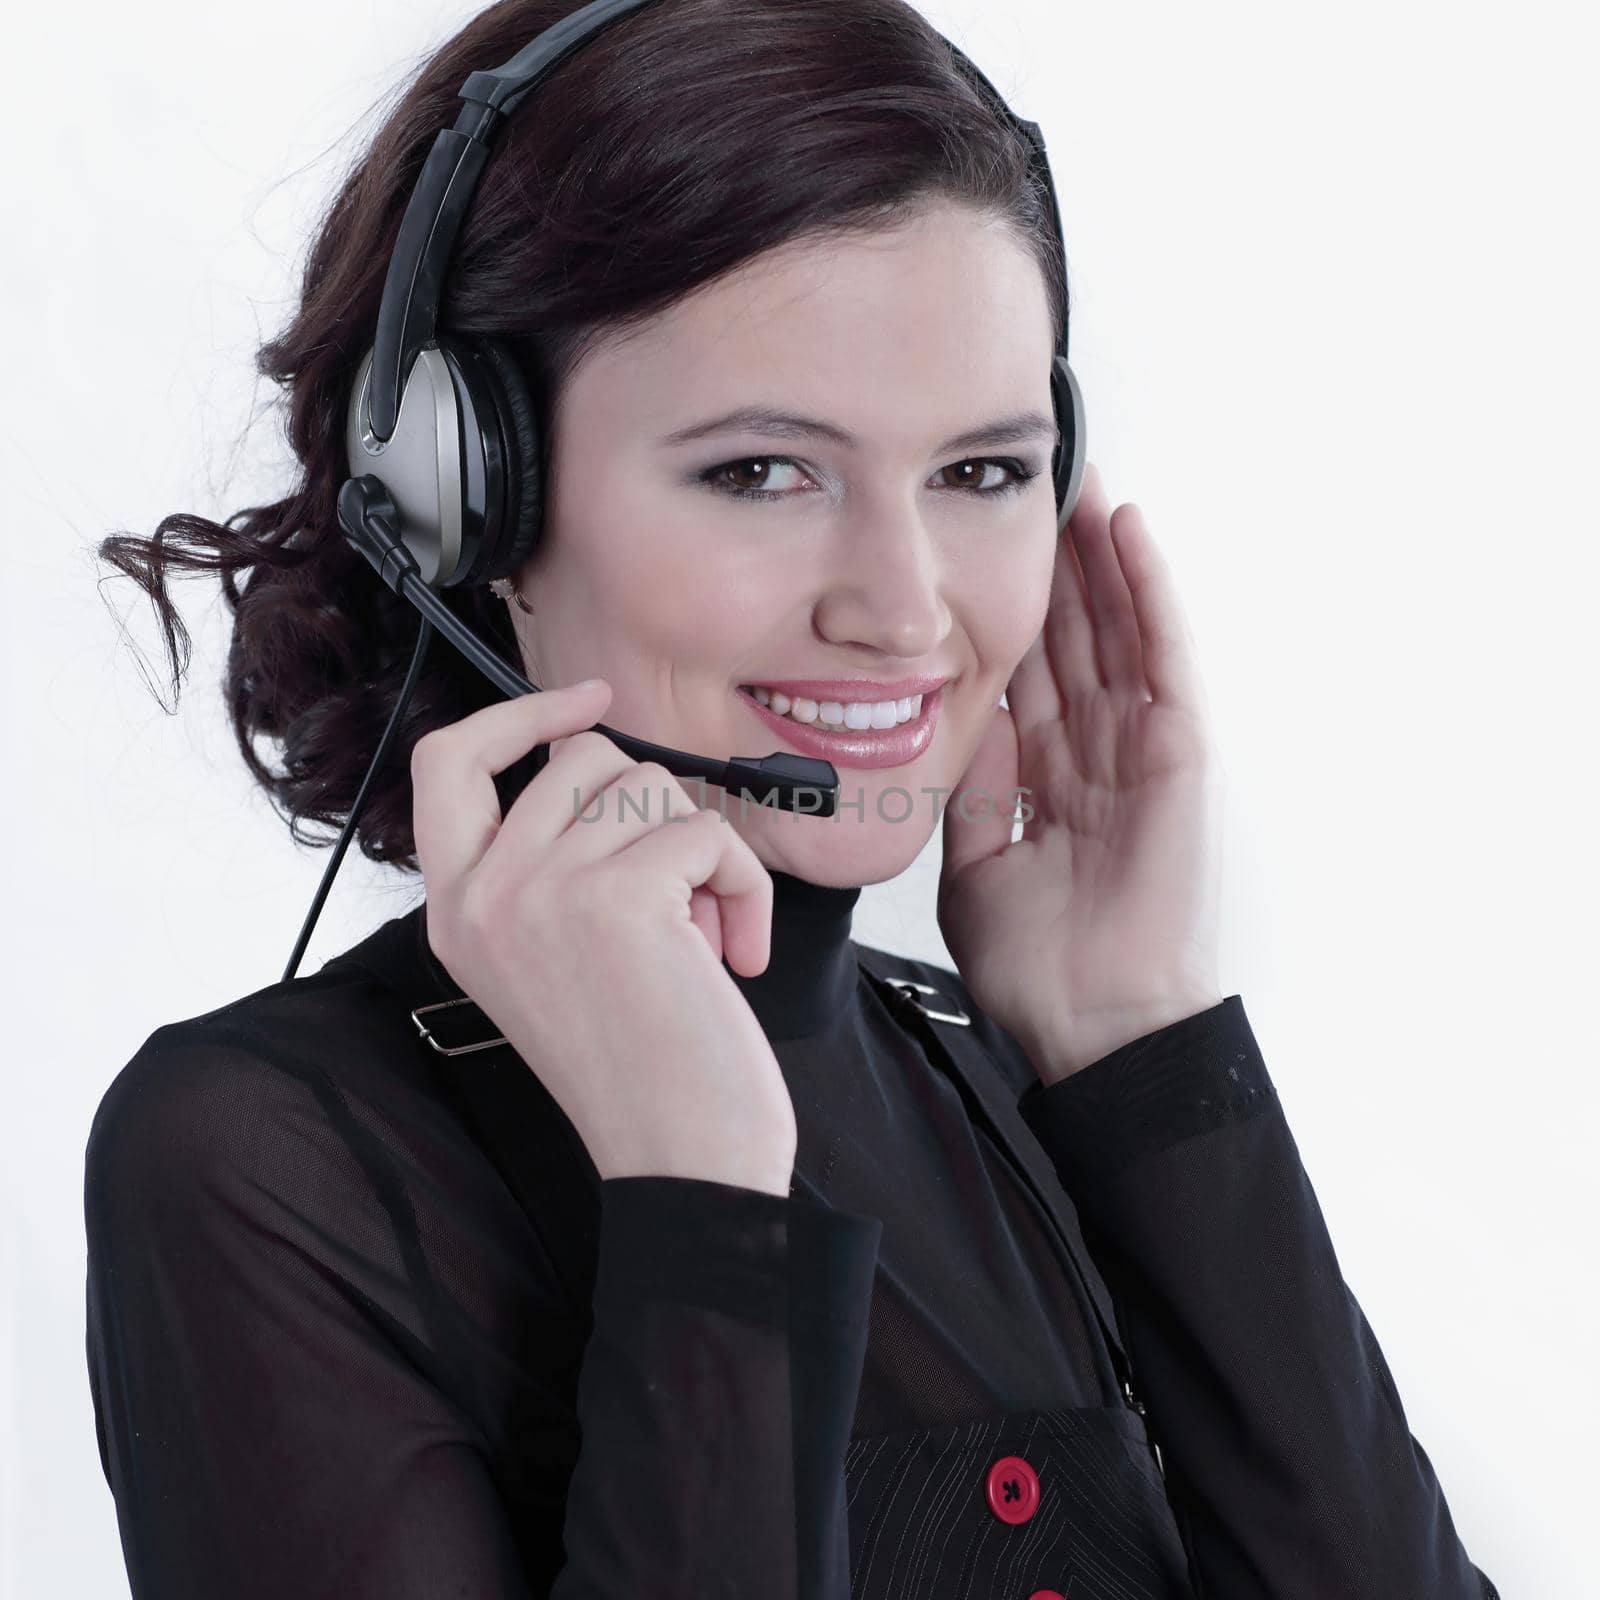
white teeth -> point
(854, 714)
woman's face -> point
(877, 554)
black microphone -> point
(371, 523)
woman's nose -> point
(883, 588)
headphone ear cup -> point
(498, 487)
(522, 510)
(1070, 457)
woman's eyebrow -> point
(1015, 429)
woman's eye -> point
(975, 475)
(751, 478)
(756, 484)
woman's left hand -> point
(1099, 924)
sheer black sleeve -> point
(1290, 1466)
(267, 1397)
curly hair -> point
(678, 143)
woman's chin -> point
(841, 851)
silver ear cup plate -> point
(421, 465)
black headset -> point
(443, 436)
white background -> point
(1335, 320)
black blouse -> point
(364, 1321)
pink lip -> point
(857, 747)
(853, 688)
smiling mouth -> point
(837, 716)
(846, 746)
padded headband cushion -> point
(520, 425)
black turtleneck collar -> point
(811, 977)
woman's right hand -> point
(596, 947)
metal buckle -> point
(446, 1050)
(905, 985)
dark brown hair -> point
(676, 144)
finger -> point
(455, 807)
(1069, 623)
(562, 798)
(1110, 603)
(707, 852)
(1171, 662)
(629, 802)
(1059, 665)
(1033, 696)
(979, 825)
(706, 914)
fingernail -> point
(588, 683)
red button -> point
(1046, 1594)
(1012, 1488)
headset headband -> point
(408, 312)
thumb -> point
(978, 818)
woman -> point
(736, 1262)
